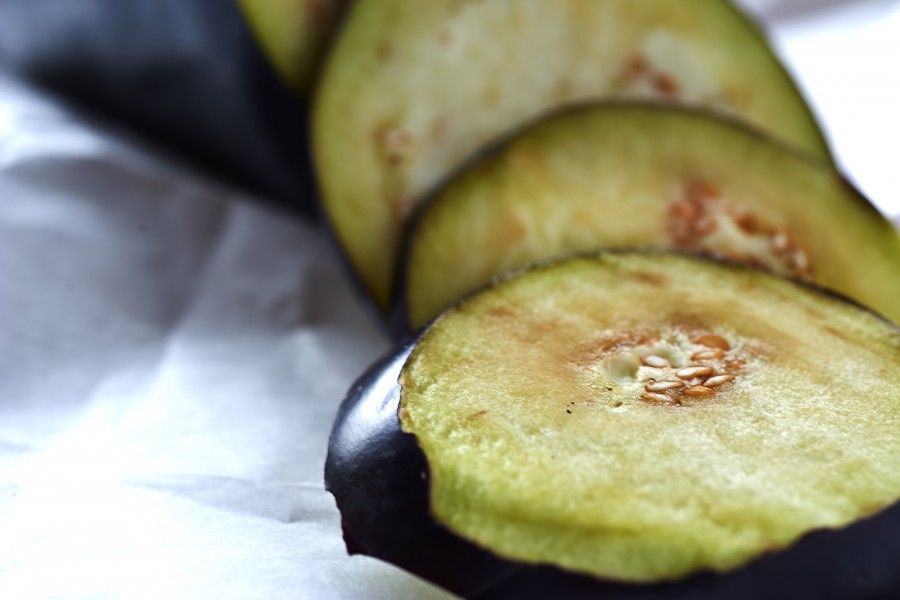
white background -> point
(171, 355)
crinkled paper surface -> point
(172, 354)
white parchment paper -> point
(172, 355)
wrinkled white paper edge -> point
(171, 360)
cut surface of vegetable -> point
(613, 175)
(293, 34)
(411, 89)
(640, 417)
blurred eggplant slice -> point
(411, 89)
(615, 175)
(293, 34)
(184, 73)
(633, 425)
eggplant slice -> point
(410, 89)
(633, 425)
(293, 34)
(640, 175)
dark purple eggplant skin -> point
(378, 476)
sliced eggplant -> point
(640, 175)
(293, 34)
(633, 425)
(412, 88)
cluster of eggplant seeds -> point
(639, 73)
(395, 144)
(702, 220)
(694, 381)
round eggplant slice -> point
(640, 175)
(633, 425)
(293, 34)
(410, 89)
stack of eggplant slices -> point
(650, 331)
